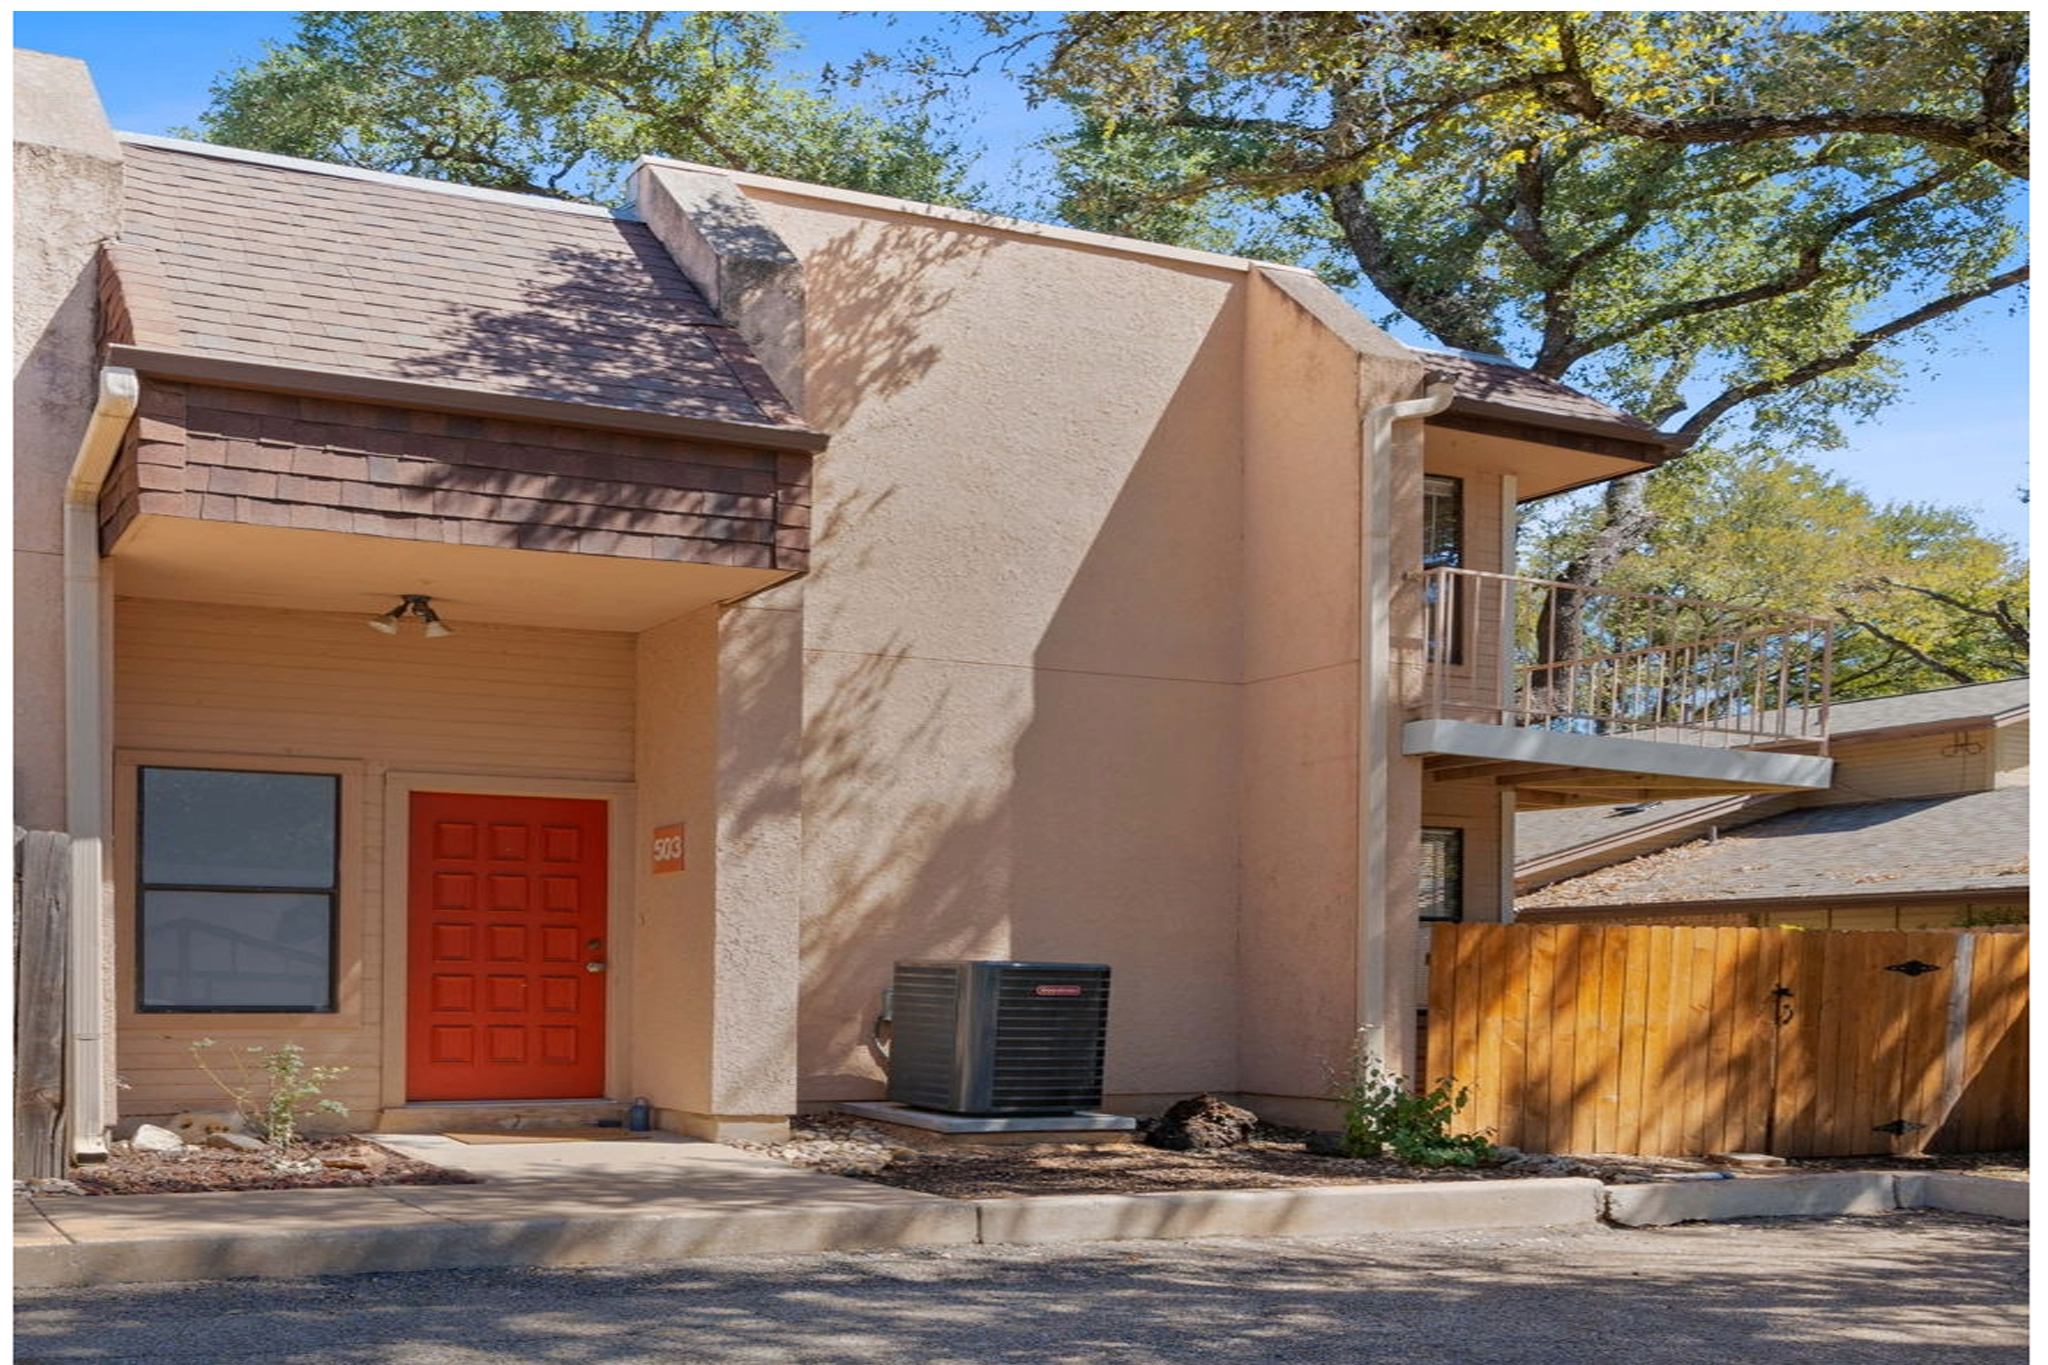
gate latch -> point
(1914, 967)
(1899, 1127)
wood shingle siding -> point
(273, 459)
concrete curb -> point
(394, 1239)
(1659, 1204)
(1325, 1211)
(618, 1239)
(1959, 1193)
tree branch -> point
(1945, 670)
(1848, 355)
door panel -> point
(507, 913)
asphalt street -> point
(1916, 1288)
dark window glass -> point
(1443, 547)
(236, 907)
(1443, 522)
(1441, 892)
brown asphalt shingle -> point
(1510, 386)
(1975, 842)
(287, 264)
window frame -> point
(1446, 491)
(331, 892)
(1451, 838)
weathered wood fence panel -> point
(42, 880)
(1680, 1040)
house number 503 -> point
(668, 849)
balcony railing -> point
(1546, 655)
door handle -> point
(593, 966)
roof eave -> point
(275, 377)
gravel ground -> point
(1901, 1289)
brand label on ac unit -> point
(1056, 990)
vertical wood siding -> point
(1682, 1041)
(208, 685)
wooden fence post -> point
(43, 861)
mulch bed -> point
(1275, 1158)
(347, 1163)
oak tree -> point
(561, 102)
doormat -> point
(547, 1135)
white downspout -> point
(86, 777)
(1375, 702)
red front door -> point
(506, 948)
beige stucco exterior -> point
(1103, 653)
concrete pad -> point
(254, 1213)
(1959, 1193)
(32, 1227)
(1325, 1211)
(1760, 1196)
(1047, 1128)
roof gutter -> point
(1378, 723)
(87, 781)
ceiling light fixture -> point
(411, 604)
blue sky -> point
(1959, 440)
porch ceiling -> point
(190, 560)
(1551, 768)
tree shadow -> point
(1875, 1290)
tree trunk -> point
(1560, 626)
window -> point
(1443, 522)
(1440, 895)
(1443, 547)
(238, 879)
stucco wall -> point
(67, 184)
(1022, 642)
(210, 685)
(1308, 384)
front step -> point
(492, 1116)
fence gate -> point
(1677, 1040)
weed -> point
(276, 1090)
(1383, 1117)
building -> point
(771, 583)
(1924, 826)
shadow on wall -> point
(1125, 799)
(906, 807)
(870, 294)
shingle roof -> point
(1973, 702)
(269, 260)
(1487, 384)
(1975, 842)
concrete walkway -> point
(668, 1199)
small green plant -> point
(1383, 1117)
(276, 1090)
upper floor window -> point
(1443, 522)
(239, 880)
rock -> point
(197, 1125)
(234, 1142)
(344, 1163)
(48, 1185)
(150, 1138)
(1202, 1123)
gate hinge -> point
(1899, 1127)
(1914, 967)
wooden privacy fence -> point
(1681, 1040)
